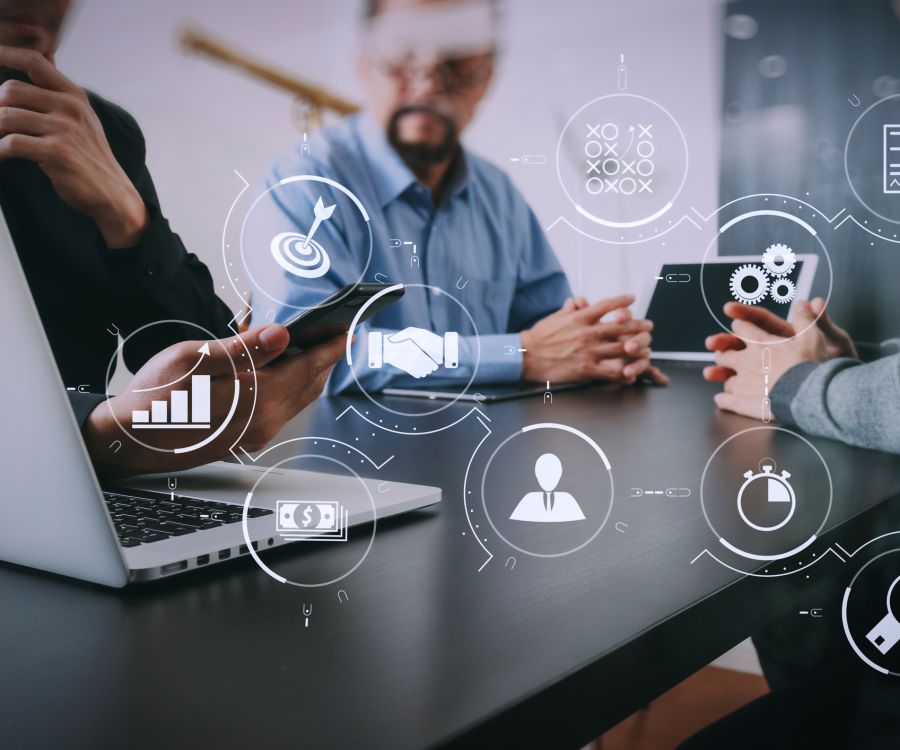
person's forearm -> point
(846, 400)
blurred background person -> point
(426, 67)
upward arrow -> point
(322, 213)
(203, 351)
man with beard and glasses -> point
(97, 252)
(441, 217)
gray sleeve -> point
(845, 399)
(869, 352)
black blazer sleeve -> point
(157, 279)
(83, 404)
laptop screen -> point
(681, 320)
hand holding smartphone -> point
(334, 315)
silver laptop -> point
(54, 515)
(681, 319)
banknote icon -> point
(318, 521)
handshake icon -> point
(416, 351)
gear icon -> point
(779, 259)
(782, 290)
(754, 294)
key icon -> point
(885, 635)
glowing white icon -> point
(891, 158)
(416, 351)
(777, 490)
(300, 254)
(779, 259)
(548, 506)
(173, 414)
(319, 521)
(610, 164)
(750, 283)
(886, 634)
(622, 74)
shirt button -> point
(151, 269)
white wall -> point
(202, 121)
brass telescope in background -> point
(315, 99)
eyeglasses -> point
(455, 74)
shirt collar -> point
(390, 174)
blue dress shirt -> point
(482, 244)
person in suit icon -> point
(548, 506)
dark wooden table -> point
(427, 650)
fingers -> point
(656, 376)
(621, 315)
(817, 305)
(572, 304)
(264, 344)
(301, 378)
(37, 67)
(639, 345)
(760, 317)
(636, 346)
(749, 406)
(323, 357)
(717, 373)
(18, 146)
(641, 368)
(320, 359)
(27, 96)
(619, 370)
(720, 342)
(802, 316)
(287, 387)
(750, 332)
(26, 122)
(742, 385)
(634, 369)
(742, 360)
(731, 359)
(633, 348)
(609, 350)
(823, 319)
(593, 313)
(627, 328)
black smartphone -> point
(334, 314)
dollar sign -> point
(307, 513)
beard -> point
(420, 157)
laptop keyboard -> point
(142, 518)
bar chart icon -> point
(891, 159)
(183, 410)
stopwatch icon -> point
(776, 488)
